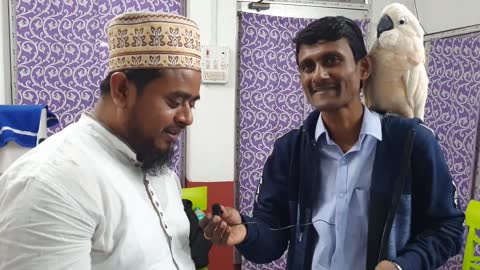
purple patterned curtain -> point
(271, 100)
(62, 53)
(453, 110)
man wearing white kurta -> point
(99, 194)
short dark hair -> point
(140, 77)
(332, 29)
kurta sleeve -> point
(42, 227)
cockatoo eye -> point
(402, 20)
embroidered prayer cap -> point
(145, 40)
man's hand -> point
(224, 229)
(386, 265)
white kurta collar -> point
(111, 140)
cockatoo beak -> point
(385, 24)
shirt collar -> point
(371, 126)
(109, 138)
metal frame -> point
(9, 51)
(313, 3)
(370, 25)
(303, 9)
(454, 32)
(13, 51)
(183, 160)
(183, 141)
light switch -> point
(215, 63)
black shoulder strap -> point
(399, 187)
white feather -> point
(398, 82)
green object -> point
(472, 218)
(198, 196)
(199, 213)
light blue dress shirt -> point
(343, 197)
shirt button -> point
(343, 161)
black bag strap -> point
(399, 187)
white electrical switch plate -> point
(215, 64)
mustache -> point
(316, 87)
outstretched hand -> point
(226, 229)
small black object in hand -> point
(216, 209)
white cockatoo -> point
(398, 82)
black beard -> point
(156, 163)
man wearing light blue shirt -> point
(343, 196)
(350, 188)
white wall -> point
(211, 138)
(5, 77)
(443, 15)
